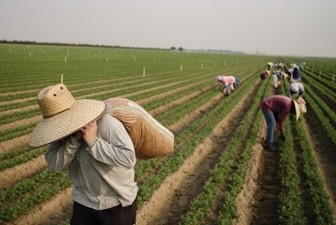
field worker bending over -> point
(97, 152)
(294, 73)
(269, 65)
(263, 75)
(275, 109)
(279, 66)
(289, 75)
(227, 83)
(296, 89)
(277, 77)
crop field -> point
(219, 172)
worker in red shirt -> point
(275, 109)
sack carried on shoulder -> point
(150, 138)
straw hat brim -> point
(299, 109)
(66, 123)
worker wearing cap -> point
(296, 89)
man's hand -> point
(89, 132)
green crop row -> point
(19, 199)
(319, 86)
(290, 195)
(323, 112)
(26, 156)
(291, 209)
(319, 199)
(230, 170)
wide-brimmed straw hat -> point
(62, 115)
(300, 108)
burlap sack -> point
(150, 138)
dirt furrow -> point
(180, 125)
(266, 196)
(52, 212)
(242, 199)
(246, 199)
(13, 144)
(325, 154)
(258, 201)
(10, 176)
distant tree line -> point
(117, 46)
(81, 45)
(174, 49)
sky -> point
(275, 27)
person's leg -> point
(83, 215)
(271, 125)
(227, 90)
(119, 215)
(279, 80)
(232, 88)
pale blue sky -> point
(280, 27)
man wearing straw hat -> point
(275, 109)
(97, 151)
